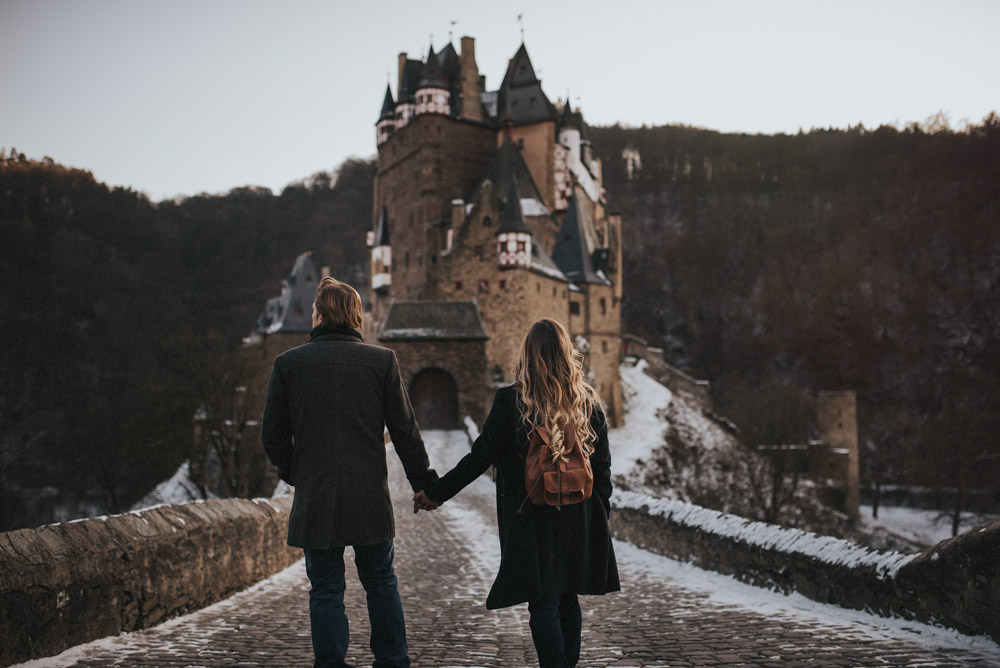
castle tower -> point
(836, 414)
(471, 86)
(386, 125)
(513, 238)
(433, 96)
(529, 119)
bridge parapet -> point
(955, 583)
(70, 583)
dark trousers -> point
(556, 624)
(330, 632)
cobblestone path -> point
(668, 614)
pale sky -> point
(186, 96)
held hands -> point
(421, 502)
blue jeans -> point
(330, 632)
(556, 624)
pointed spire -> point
(512, 217)
(520, 72)
(388, 105)
(431, 77)
(382, 233)
(570, 252)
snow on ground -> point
(643, 431)
(727, 592)
(178, 488)
(922, 526)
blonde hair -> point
(553, 392)
(339, 304)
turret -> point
(513, 238)
(386, 125)
(433, 96)
(382, 256)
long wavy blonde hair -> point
(549, 379)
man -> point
(327, 403)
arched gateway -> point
(434, 394)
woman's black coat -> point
(544, 550)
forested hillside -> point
(773, 266)
(117, 311)
(865, 260)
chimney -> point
(472, 106)
(402, 68)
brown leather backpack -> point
(556, 483)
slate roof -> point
(292, 310)
(512, 218)
(521, 100)
(542, 264)
(431, 77)
(573, 119)
(508, 163)
(576, 243)
(388, 105)
(451, 64)
(433, 321)
(412, 73)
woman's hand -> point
(421, 502)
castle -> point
(489, 213)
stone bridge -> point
(670, 613)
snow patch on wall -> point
(767, 536)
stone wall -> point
(70, 583)
(464, 360)
(956, 583)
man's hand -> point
(421, 502)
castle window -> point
(434, 259)
(538, 287)
(458, 286)
(574, 308)
(503, 283)
(604, 306)
(604, 346)
(554, 292)
(479, 252)
(484, 286)
(486, 221)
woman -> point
(548, 555)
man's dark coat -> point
(327, 405)
(543, 550)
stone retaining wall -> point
(955, 583)
(70, 583)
